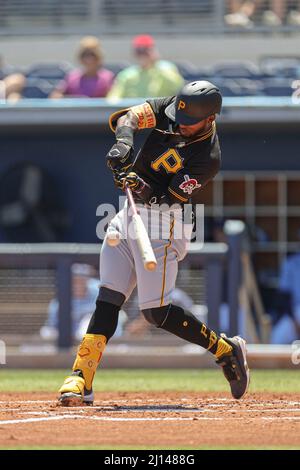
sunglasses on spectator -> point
(142, 50)
(87, 54)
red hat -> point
(143, 41)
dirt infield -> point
(151, 419)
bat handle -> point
(131, 200)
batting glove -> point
(119, 158)
(132, 180)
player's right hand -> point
(120, 156)
(131, 179)
(119, 179)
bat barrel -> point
(141, 235)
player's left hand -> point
(120, 156)
(132, 180)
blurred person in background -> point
(84, 293)
(85, 289)
(12, 87)
(287, 327)
(278, 12)
(294, 15)
(240, 13)
(11, 84)
(92, 80)
(271, 12)
(150, 77)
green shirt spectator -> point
(151, 77)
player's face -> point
(145, 57)
(201, 126)
(90, 62)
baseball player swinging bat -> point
(179, 157)
(140, 234)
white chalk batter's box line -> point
(211, 408)
(53, 413)
(115, 419)
(151, 406)
(145, 402)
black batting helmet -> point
(195, 102)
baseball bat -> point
(141, 235)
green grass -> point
(121, 380)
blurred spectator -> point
(151, 77)
(275, 13)
(281, 11)
(240, 12)
(93, 80)
(287, 328)
(271, 12)
(293, 17)
(13, 87)
(85, 288)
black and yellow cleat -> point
(74, 393)
(235, 367)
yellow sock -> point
(223, 348)
(88, 357)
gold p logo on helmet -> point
(181, 105)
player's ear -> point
(211, 118)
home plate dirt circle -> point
(152, 419)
